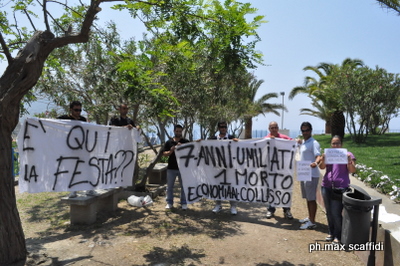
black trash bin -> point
(357, 206)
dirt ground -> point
(154, 236)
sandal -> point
(329, 238)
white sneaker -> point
(184, 207)
(169, 206)
(308, 225)
(217, 209)
(304, 220)
(233, 210)
(73, 194)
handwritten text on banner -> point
(247, 170)
(63, 155)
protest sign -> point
(68, 155)
(247, 170)
(303, 170)
(336, 156)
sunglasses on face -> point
(77, 110)
(306, 130)
(223, 127)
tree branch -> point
(47, 13)
(30, 20)
(46, 21)
(83, 35)
(6, 50)
(16, 27)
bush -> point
(376, 179)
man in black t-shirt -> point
(123, 120)
(75, 109)
(173, 170)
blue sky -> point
(300, 33)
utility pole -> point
(283, 108)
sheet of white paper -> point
(303, 171)
(335, 156)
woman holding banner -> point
(335, 182)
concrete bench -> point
(159, 174)
(84, 209)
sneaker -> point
(270, 215)
(308, 225)
(304, 220)
(169, 206)
(288, 214)
(217, 209)
(73, 194)
(233, 210)
(184, 207)
(329, 238)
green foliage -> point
(143, 160)
(15, 163)
(370, 97)
(163, 159)
(391, 4)
(319, 88)
(250, 107)
(90, 77)
(53, 113)
(190, 66)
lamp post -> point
(283, 108)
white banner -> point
(247, 170)
(68, 155)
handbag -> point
(337, 193)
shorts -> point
(309, 189)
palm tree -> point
(321, 112)
(318, 89)
(257, 107)
(391, 4)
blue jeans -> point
(171, 177)
(333, 210)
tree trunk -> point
(20, 76)
(328, 128)
(338, 124)
(248, 127)
(12, 239)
